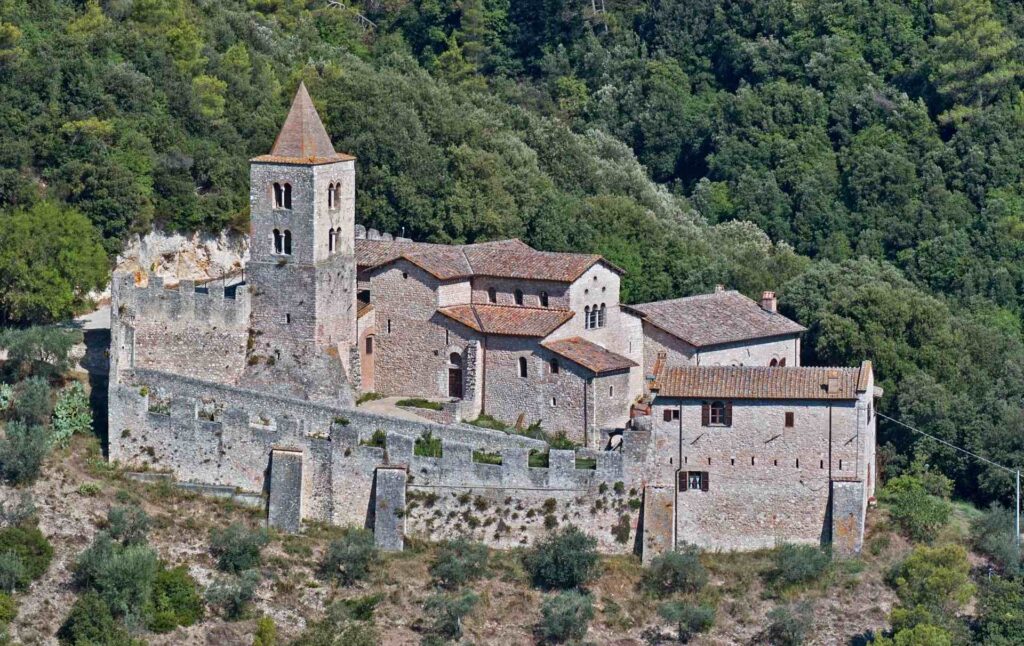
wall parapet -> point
(214, 302)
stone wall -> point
(558, 293)
(194, 332)
(756, 352)
(323, 446)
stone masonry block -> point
(847, 517)
(285, 509)
(389, 509)
(399, 448)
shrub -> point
(788, 625)
(8, 610)
(448, 610)
(689, 619)
(33, 401)
(418, 402)
(266, 633)
(123, 576)
(12, 572)
(933, 585)
(564, 560)
(176, 602)
(378, 439)
(128, 524)
(427, 446)
(232, 594)
(43, 351)
(993, 535)
(349, 558)
(486, 421)
(999, 617)
(90, 622)
(6, 396)
(348, 623)
(71, 414)
(920, 635)
(30, 547)
(22, 514)
(368, 397)
(798, 564)
(565, 616)
(22, 452)
(486, 457)
(237, 547)
(458, 562)
(918, 514)
(679, 571)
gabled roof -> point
(303, 138)
(589, 355)
(714, 319)
(500, 259)
(508, 320)
(748, 382)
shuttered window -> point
(693, 481)
(716, 413)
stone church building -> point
(703, 396)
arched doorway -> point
(455, 375)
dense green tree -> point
(50, 259)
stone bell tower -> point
(302, 270)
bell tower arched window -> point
(287, 196)
(601, 316)
(282, 195)
(330, 240)
(522, 367)
(330, 196)
(278, 241)
(287, 243)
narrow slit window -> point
(519, 296)
(492, 295)
(278, 241)
(522, 367)
(287, 196)
(543, 299)
(789, 420)
(287, 242)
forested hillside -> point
(863, 157)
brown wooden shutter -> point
(682, 481)
(728, 413)
(668, 414)
(704, 481)
(705, 414)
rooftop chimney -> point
(769, 303)
(833, 382)
(719, 288)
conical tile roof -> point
(303, 138)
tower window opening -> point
(330, 196)
(519, 296)
(543, 299)
(278, 241)
(287, 196)
(492, 295)
(330, 240)
(287, 242)
(522, 367)
(278, 196)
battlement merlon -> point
(213, 303)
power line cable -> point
(950, 445)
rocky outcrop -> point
(177, 256)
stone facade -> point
(249, 388)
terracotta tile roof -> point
(589, 355)
(500, 259)
(303, 138)
(508, 320)
(747, 382)
(716, 318)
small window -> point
(337, 195)
(782, 362)
(773, 363)
(519, 296)
(369, 345)
(288, 319)
(554, 402)
(455, 359)
(287, 242)
(330, 196)
(522, 367)
(611, 391)
(789, 419)
(554, 366)
(287, 196)
(330, 240)
(389, 326)
(716, 413)
(278, 241)
(278, 196)
(693, 480)
(543, 299)
(671, 414)
(601, 316)
(492, 295)
(586, 317)
(405, 275)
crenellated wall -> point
(188, 330)
(221, 435)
